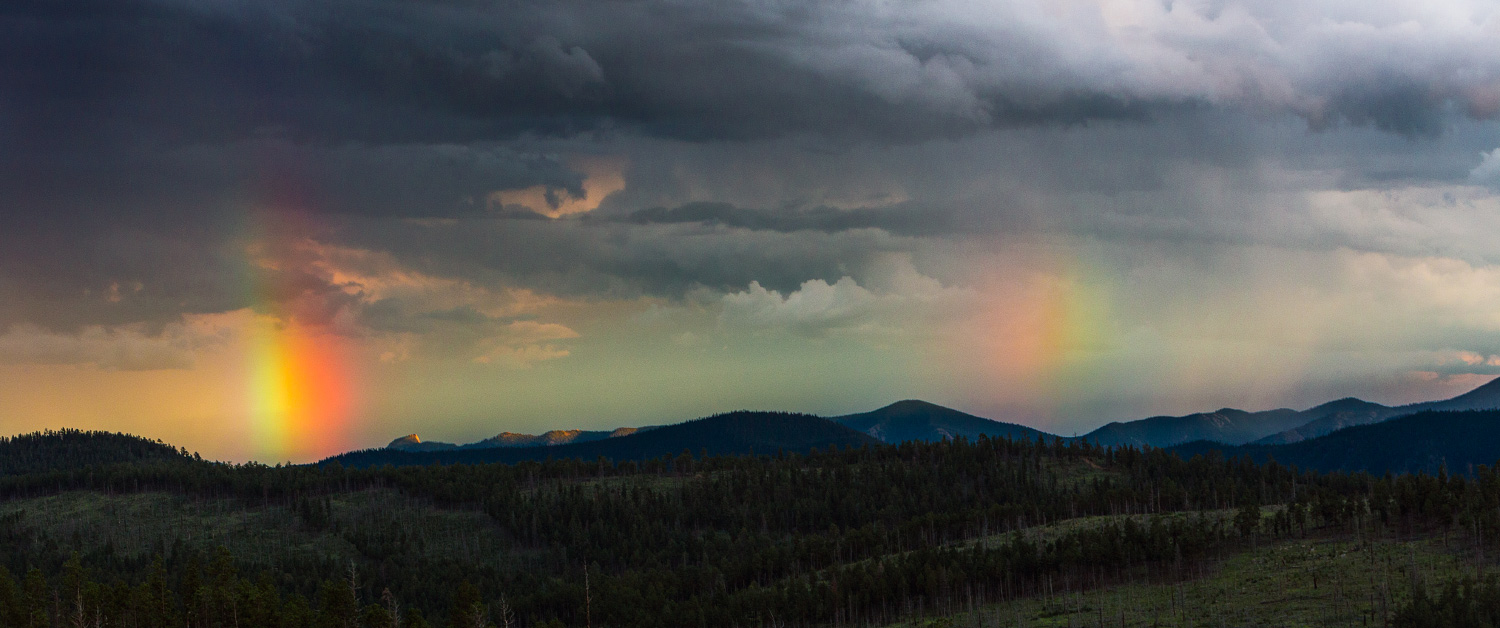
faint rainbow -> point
(1048, 324)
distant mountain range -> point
(1238, 427)
(412, 442)
(735, 433)
(1281, 432)
(1347, 434)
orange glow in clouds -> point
(602, 176)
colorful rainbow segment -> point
(301, 392)
(301, 381)
(1045, 333)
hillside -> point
(987, 532)
(1332, 416)
(412, 442)
(914, 420)
(1238, 427)
(1226, 425)
(1422, 442)
(1485, 397)
(66, 450)
(734, 433)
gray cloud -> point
(621, 260)
(380, 71)
(896, 220)
(125, 348)
(756, 132)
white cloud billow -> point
(906, 298)
(1318, 59)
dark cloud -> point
(66, 280)
(378, 71)
(897, 220)
(599, 259)
(137, 135)
(1395, 106)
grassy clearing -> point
(1038, 534)
(1312, 582)
(1078, 472)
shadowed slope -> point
(1226, 425)
(1425, 441)
(1333, 416)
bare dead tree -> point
(507, 616)
(353, 594)
(79, 618)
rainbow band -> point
(301, 384)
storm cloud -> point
(379, 72)
(1121, 185)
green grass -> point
(1037, 534)
(1078, 472)
(1312, 582)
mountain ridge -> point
(732, 433)
(1238, 427)
(913, 419)
(917, 420)
(1425, 441)
(412, 442)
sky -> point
(278, 229)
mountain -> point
(1421, 442)
(1226, 425)
(411, 442)
(549, 438)
(913, 420)
(1273, 427)
(918, 420)
(1485, 397)
(735, 433)
(1331, 417)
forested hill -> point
(910, 535)
(734, 433)
(1422, 442)
(914, 420)
(66, 450)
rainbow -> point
(300, 389)
(301, 392)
